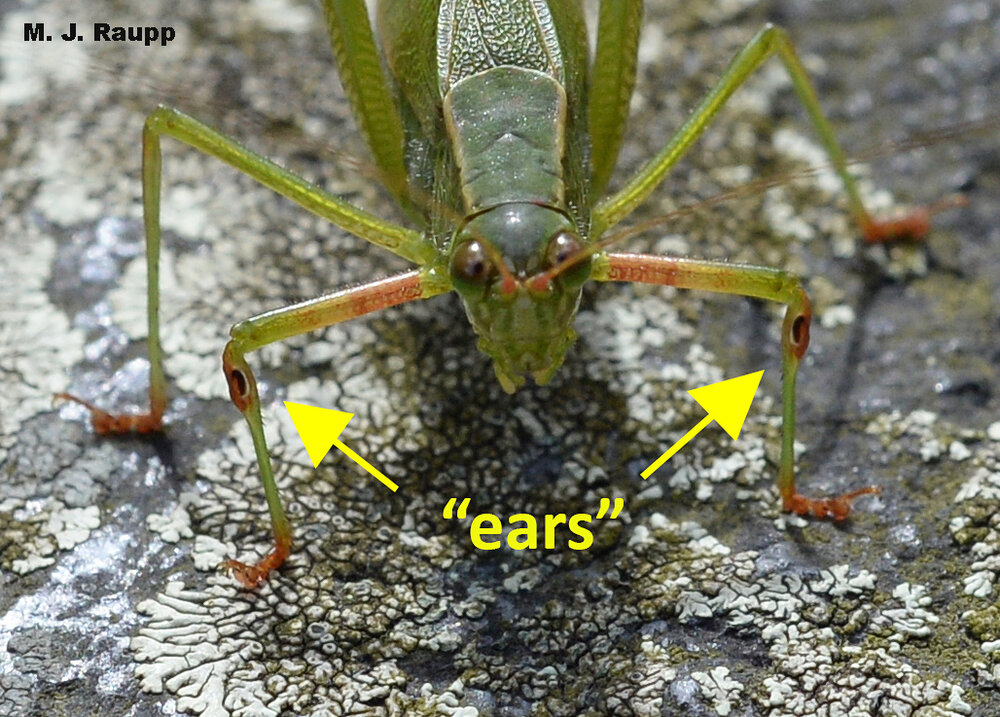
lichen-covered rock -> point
(699, 598)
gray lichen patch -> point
(38, 347)
(816, 662)
(567, 638)
(974, 526)
(37, 344)
(380, 585)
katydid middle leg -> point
(761, 283)
(771, 40)
(166, 121)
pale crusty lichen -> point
(816, 666)
(37, 343)
(719, 688)
(674, 571)
(38, 346)
(975, 525)
(171, 526)
(54, 527)
(340, 621)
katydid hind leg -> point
(761, 283)
(771, 40)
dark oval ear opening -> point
(798, 334)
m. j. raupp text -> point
(104, 32)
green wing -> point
(572, 30)
(368, 90)
(613, 79)
(408, 34)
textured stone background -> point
(701, 598)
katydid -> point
(497, 134)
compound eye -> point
(472, 264)
(562, 247)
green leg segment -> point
(169, 122)
(272, 326)
(761, 283)
(770, 40)
(280, 324)
(165, 121)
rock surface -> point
(699, 598)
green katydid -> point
(497, 135)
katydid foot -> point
(837, 508)
(252, 576)
(912, 226)
(105, 423)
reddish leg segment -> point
(105, 423)
(761, 283)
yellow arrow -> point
(727, 403)
(320, 429)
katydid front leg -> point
(761, 283)
(280, 324)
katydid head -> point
(501, 265)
